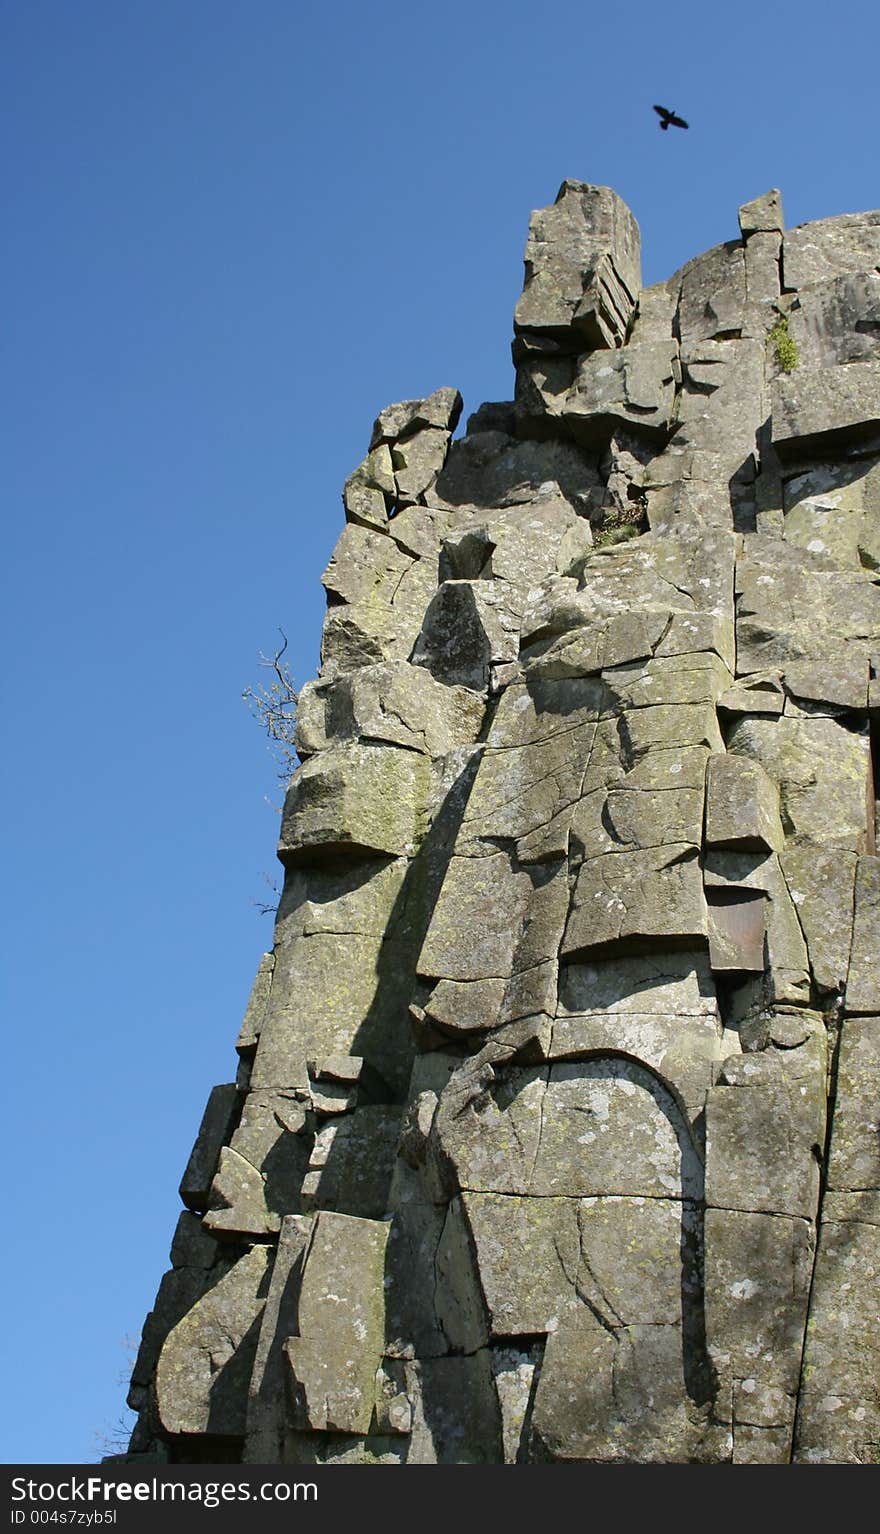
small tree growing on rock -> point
(274, 706)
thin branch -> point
(274, 707)
(265, 907)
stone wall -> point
(555, 1129)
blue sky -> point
(235, 232)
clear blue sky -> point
(235, 232)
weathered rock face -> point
(555, 1132)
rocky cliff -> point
(555, 1129)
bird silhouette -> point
(667, 117)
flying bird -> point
(667, 117)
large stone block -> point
(514, 1367)
(765, 1129)
(365, 566)
(459, 1299)
(854, 1158)
(205, 1365)
(517, 1138)
(178, 1291)
(841, 683)
(822, 771)
(755, 694)
(762, 253)
(736, 934)
(820, 884)
(523, 793)
(407, 450)
(830, 512)
(826, 247)
(440, 411)
(260, 1171)
(691, 678)
(359, 798)
(669, 983)
(626, 819)
(456, 1413)
(837, 321)
(327, 1002)
(720, 412)
(645, 897)
(461, 635)
(352, 1163)
(762, 214)
(620, 1256)
(729, 877)
(509, 544)
(334, 1357)
(351, 898)
(582, 271)
(634, 386)
(713, 294)
(369, 489)
(494, 917)
(839, 1408)
(544, 1232)
(258, 1000)
(758, 1270)
(493, 468)
(815, 407)
(417, 461)
(192, 1246)
(742, 805)
(795, 605)
(217, 1122)
(669, 1022)
(397, 704)
(412, 1327)
(611, 1396)
(266, 1407)
(360, 634)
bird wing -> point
(663, 111)
(677, 122)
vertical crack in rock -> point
(540, 1135)
(607, 1311)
